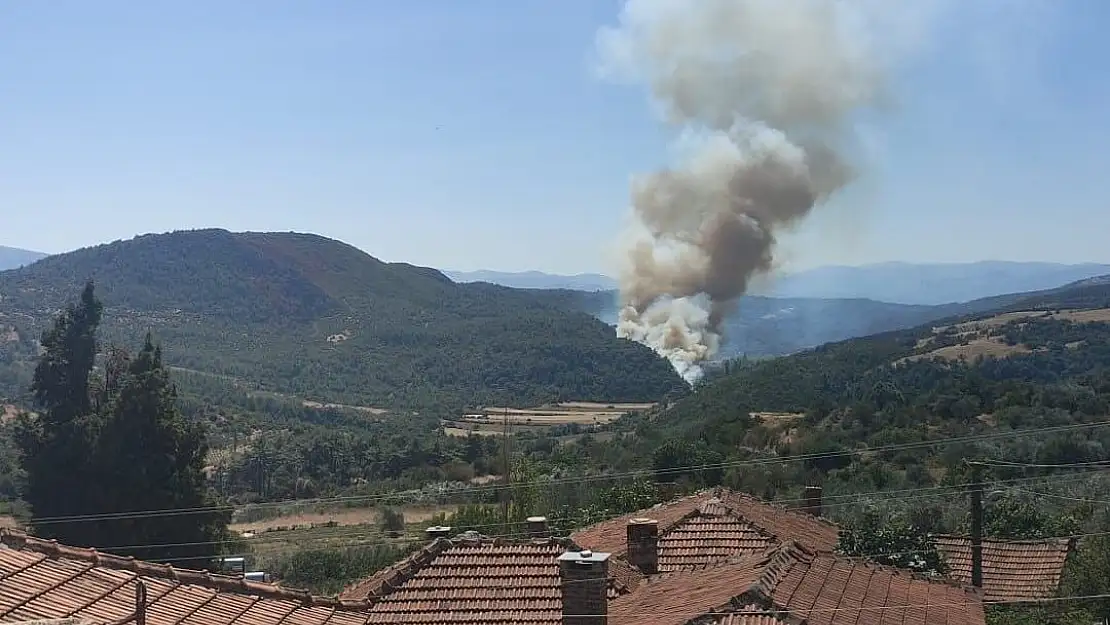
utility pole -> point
(976, 523)
(508, 471)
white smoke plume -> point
(765, 91)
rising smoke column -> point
(761, 93)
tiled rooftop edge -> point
(647, 513)
(21, 541)
(393, 577)
(725, 495)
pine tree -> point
(154, 459)
(55, 443)
(104, 446)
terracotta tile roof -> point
(826, 589)
(782, 523)
(793, 585)
(677, 598)
(713, 525)
(470, 579)
(752, 615)
(1012, 569)
(611, 536)
(704, 539)
(40, 579)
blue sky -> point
(476, 134)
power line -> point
(357, 529)
(573, 480)
(1064, 465)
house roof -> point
(611, 536)
(41, 579)
(811, 532)
(677, 598)
(793, 585)
(470, 579)
(704, 538)
(713, 525)
(1012, 569)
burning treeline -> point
(761, 94)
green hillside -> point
(305, 315)
(1041, 362)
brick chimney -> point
(643, 545)
(537, 527)
(812, 501)
(584, 581)
(437, 531)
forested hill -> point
(314, 317)
(1023, 332)
(1043, 361)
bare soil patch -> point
(367, 409)
(993, 345)
(350, 516)
(583, 413)
(1084, 316)
(775, 418)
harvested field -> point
(341, 518)
(1084, 316)
(777, 417)
(284, 541)
(586, 405)
(993, 345)
(978, 348)
(584, 413)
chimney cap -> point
(643, 521)
(537, 519)
(583, 557)
(438, 530)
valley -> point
(315, 466)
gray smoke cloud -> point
(763, 94)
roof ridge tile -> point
(726, 493)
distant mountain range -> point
(773, 326)
(12, 257)
(896, 283)
(931, 284)
(536, 280)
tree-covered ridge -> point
(835, 402)
(310, 316)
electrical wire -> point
(574, 480)
(356, 530)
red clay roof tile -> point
(470, 580)
(793, 585)
(811, 532)
(611, 536)
(702, 540)
(825, 589)
(676, 598)
(40, 579)
(760, 524)
(1012, 569)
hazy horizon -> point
(495, 145)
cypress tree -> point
(56, 443)
(153, 457)
(115, 446)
